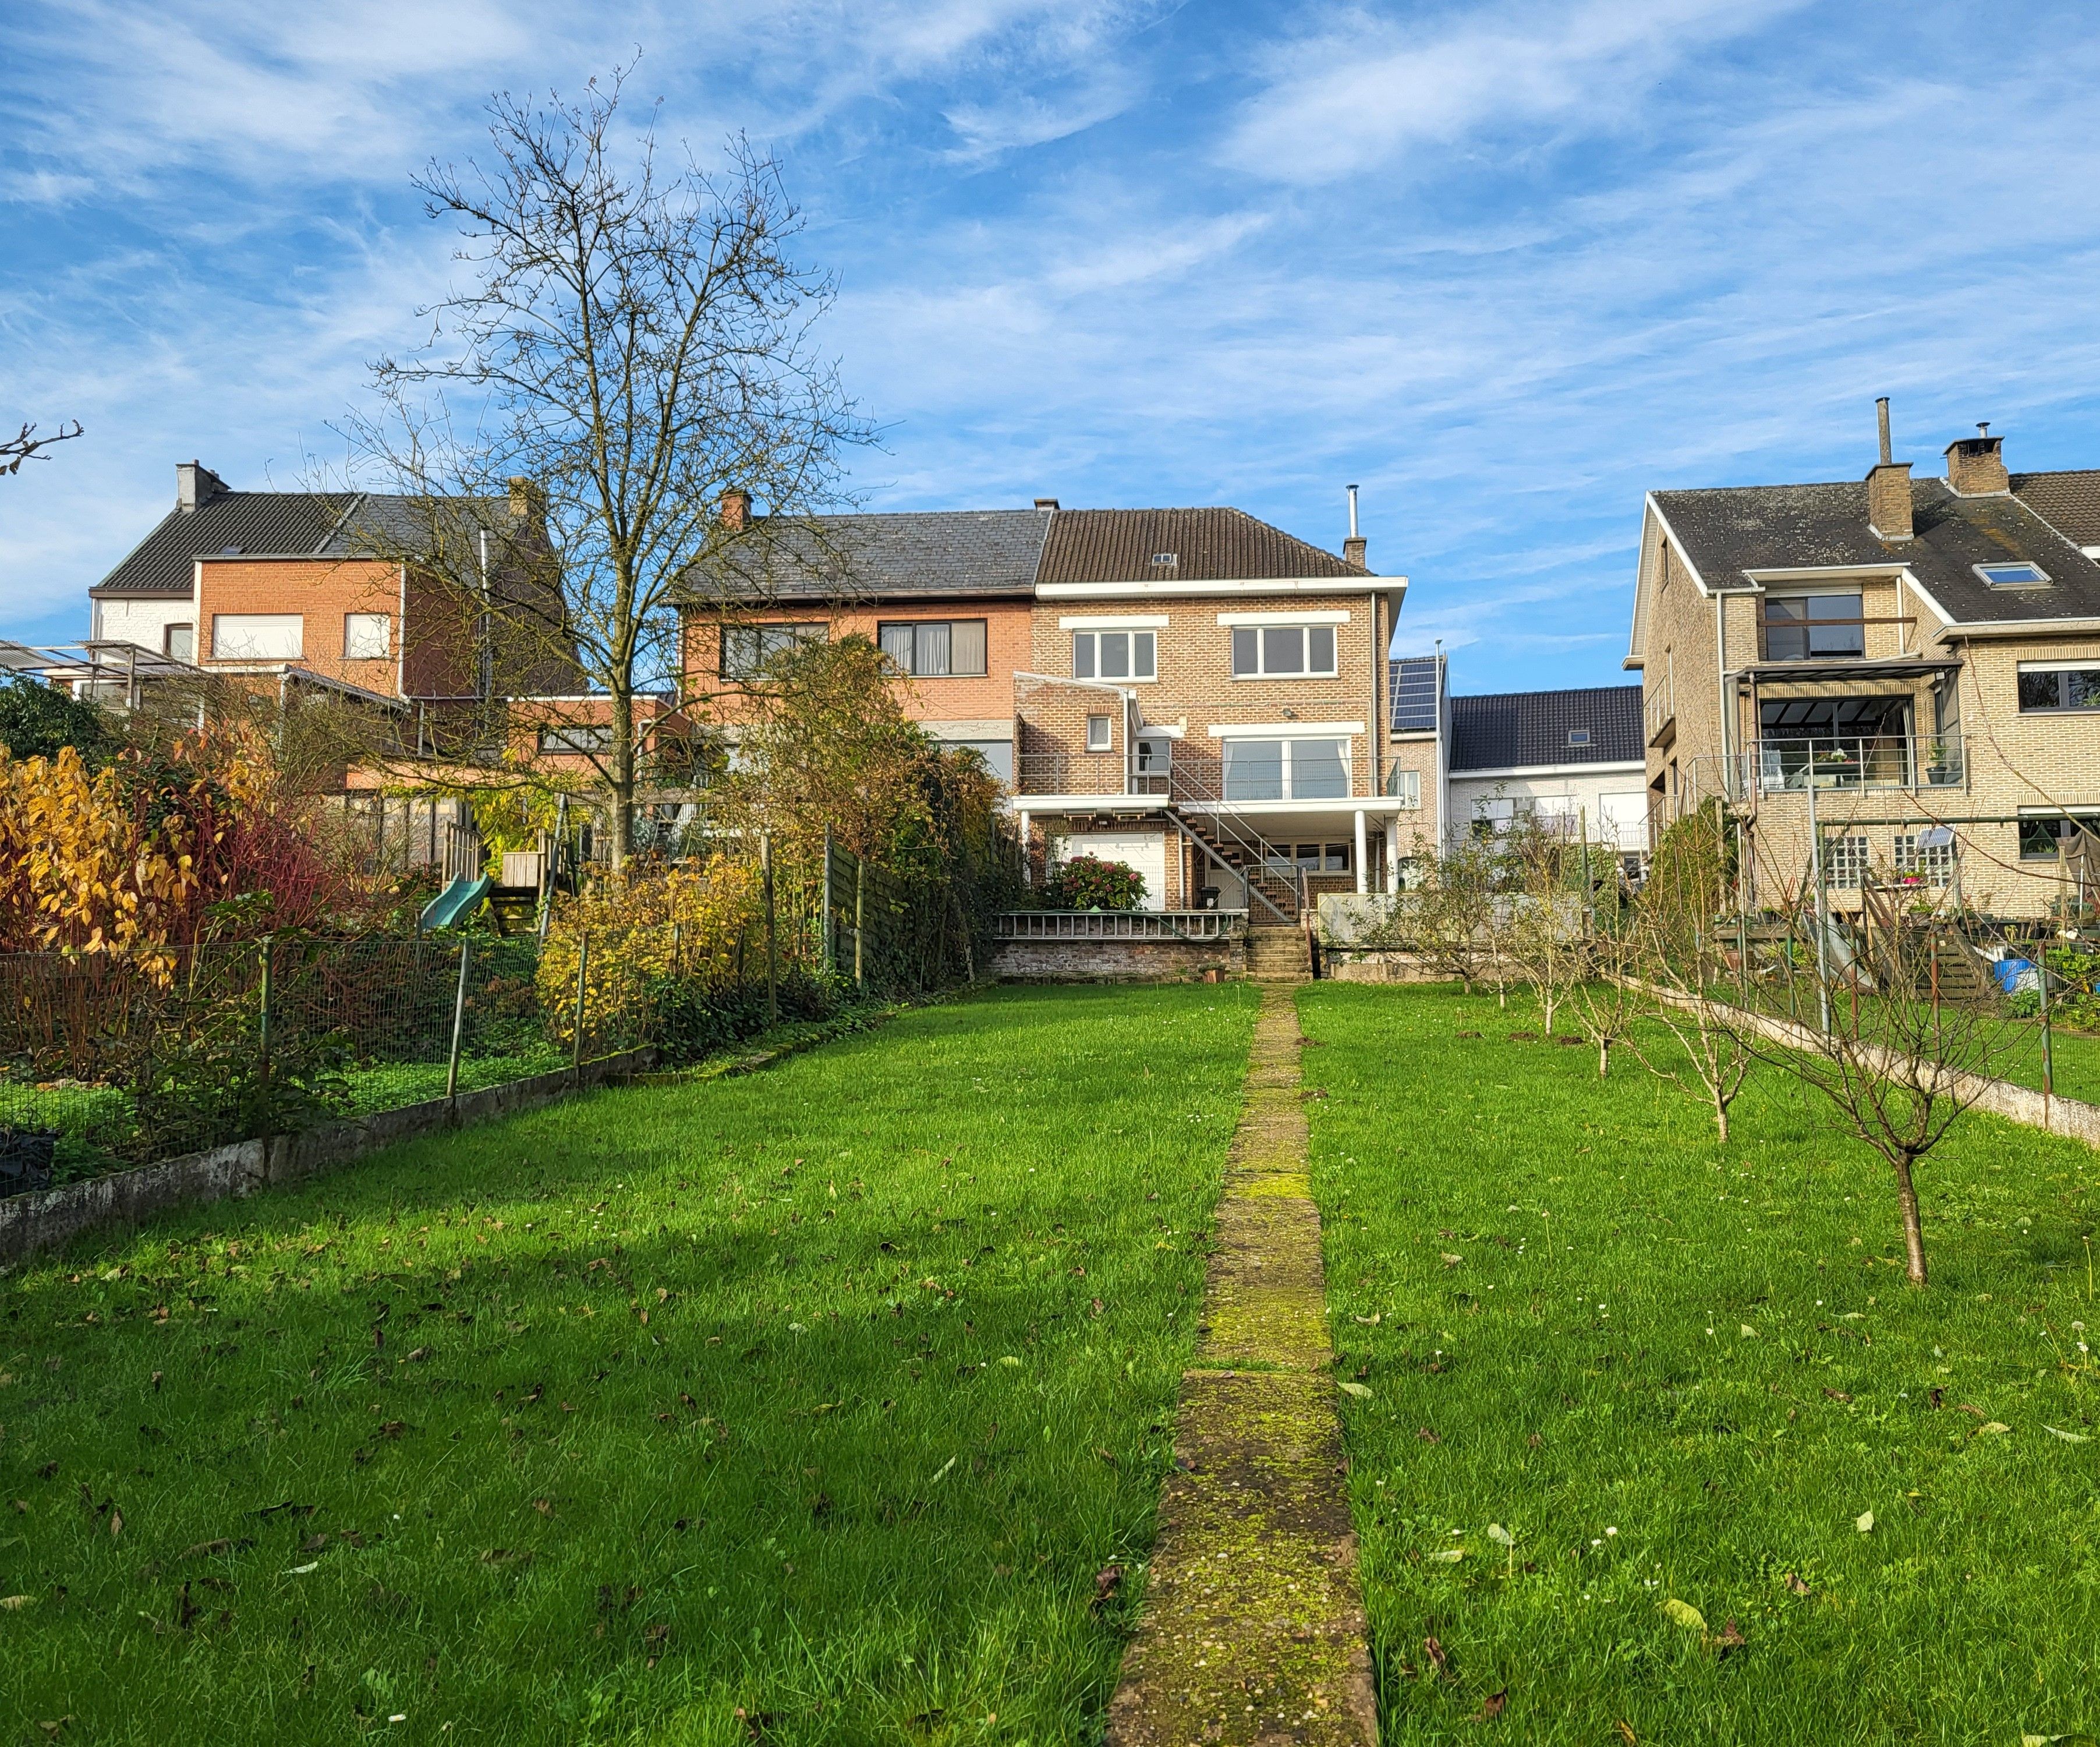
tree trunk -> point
(1913, 1230)
(1604, 1058)
(1721, 1117)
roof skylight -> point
(2021, 576)
(1579, 736)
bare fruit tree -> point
(631, 365)
(1680, 956)
(1900, 1059)
(1544, 931)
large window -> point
(257, 636)
(1286, 770)
(1283, 651)
(2043, 690)
(1809, 627)
(1115, 654)
(2045, 835)
(179, 641)
(747, 648)
(937, 649)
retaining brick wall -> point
(1119, 960)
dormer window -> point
(1579, 736)
(2022, 575)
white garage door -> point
(1147, 853)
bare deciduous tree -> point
(634, 362)
(1544, 931)
(28, 446)
(1679, 954)
(1900, 1061)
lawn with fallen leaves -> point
(825, 1405)
(1649, 1440)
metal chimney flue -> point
(1353, 548)
(1881, 418)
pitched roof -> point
(1730, 532)
(275, 524)
(1508, 730)
(954, 552)
(1206, 545)
(2069, 502)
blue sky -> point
(1507, 266)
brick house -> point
(946, 593)
(283, 590)
(1917, 661)
(1208, 700)
(1192, 691)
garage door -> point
(1147, 853)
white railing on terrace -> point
(1776, 764)
(1118, 924)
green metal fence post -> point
(772, 933)
(262, 1055)
(2047, 1045)
(576, 1043)
(459, 1026)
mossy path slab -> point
(1253, 1630)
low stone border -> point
(2072, 1117)
(48, 1217)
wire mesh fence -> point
(108, 1062)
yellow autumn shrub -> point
(647, 927)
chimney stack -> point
(195, 484)
(1976, 465)
(528, 502)
(1353, 548)
(1046, 503)
(1888, 487)
(736, 510)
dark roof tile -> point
(939, 552)
(1729, 531)
(1510, 729)
(1208, 545)
(2069, 502)
(270, 522)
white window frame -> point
(2026, 667)
(2040, 580)
(351, 652)
(1260, 630)
(1143, 648)
(1404, 790)
(1288, 763)
(1101, 733)
(245, 636)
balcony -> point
(1315, 769)
(1876, 762)
(1659, 713)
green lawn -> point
(1670, 1373)
(820, 1394)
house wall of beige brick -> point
(1195, 689)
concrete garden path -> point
(1252, 1630)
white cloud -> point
(1363, 90)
